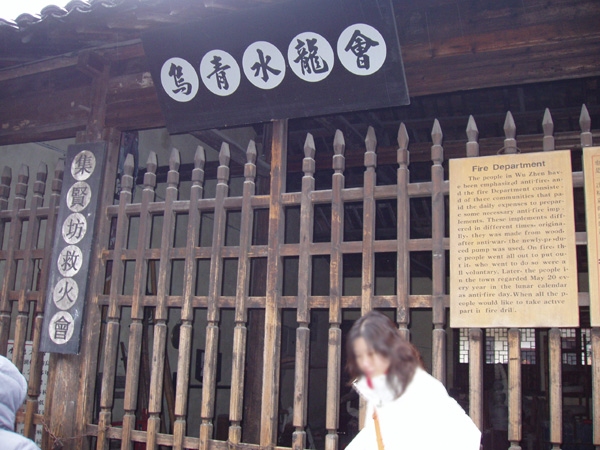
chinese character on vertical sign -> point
(65, 293)
(79, 196)
(179, 79)
(70, 260)
(220, 73)
(83, 165)
(310, 56)
(361, 49)
(61, 327)
(264, 65)
(74, 228)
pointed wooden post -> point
(476, 337)
(187, 311)
(5, 305)
(514, 335)
(403, 234)
(137, 309)
(554, 338)
(161, 314)
(438, 270)
(334, 355)
(368, 238)
(35, 373)
(304, 291)
(10, 266)
(114, 310)
(209, 378)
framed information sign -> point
(512, 241)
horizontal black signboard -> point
(295, 59)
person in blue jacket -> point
(13, 389)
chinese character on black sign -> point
(83, 165)
(74, 228)
(220, 72)
(263, 65)
(60, 328)
(65, 293)
(179, 79)
(79, 196)
(361, 49)
(310, 56)
(70, 260)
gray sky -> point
(12, 9)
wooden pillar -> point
(69, 396)
(270, 389)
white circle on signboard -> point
(79, 196)
(65, 293)
(361, 49)
(69, 261)
(311, 57)
(263, 65)
(220, 73)
(61, 327)
(179, 79)
(74, 228)
(83, 165)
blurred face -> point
(369, 362)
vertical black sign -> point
(67, 284)
(296, 59)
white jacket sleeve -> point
(366, 439)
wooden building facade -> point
(228, 264)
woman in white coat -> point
(407, 409)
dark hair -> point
(382, 336)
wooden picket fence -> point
(22, 303)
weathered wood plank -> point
(438, 269)
(334, 350)
(515, 424)
(304, 291)
(476, 376)
(157, 375)
(114, 310)
(368, 237)
(555, 369)
(137, 308)
(209, 379)
(403, 234)
(272, 343)
(596, 383)
(187, 311)
(240, 331)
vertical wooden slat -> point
(187, 311)
(403, 234)
(304, 291)
(35, 373)
(368, 238)
(240, 331)
(585, 124)
(514, 335)
(334, 352)
(214, 289)
(114, 311)
(438, 272)
(157, 374)
(514, 388)
(39, 188)
(554, 341)
(93, 322)
(5, 182)
(475, 334)
(596, 383)
(137, 309)
(271, 363)
(10, 265)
